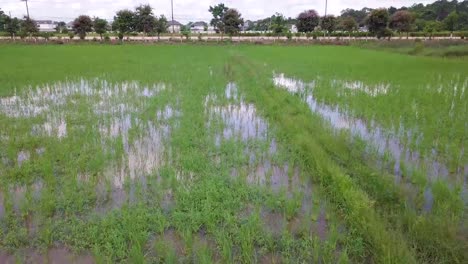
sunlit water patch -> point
(361, 87)
(233, 121)
(54, 97)
(137, 145)
(383, 140)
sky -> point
(186, 10)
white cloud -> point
(186, 10)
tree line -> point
(141, 19)
(383, 22)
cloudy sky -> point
(186, 10)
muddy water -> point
(114, 107)
(52, 256)
(142, 156)
(51, 97)
(242, 123)
(383, 140)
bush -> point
(298, 34)
(106, 37)
(309, 35)
(289, 35)
(186, 34)
(71, 35)
(199, 37)
(120, 36)
(418, 48)
(22, 34)
(46, 35)
(251, 34)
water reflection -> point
(383, 140)
(22, 157)
(241, 122)
(359, 86)
(137, 147)
(52, 97)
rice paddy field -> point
(231, 154)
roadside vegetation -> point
(440, 48)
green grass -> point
(455, 49)
(240, 173)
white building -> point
(199, 27)
(70, 26)
(173, 26)
(293, 29)
(46, 25)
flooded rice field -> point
(400, 156)
(198, 154)
(88, 150)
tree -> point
(82, 25)
(349, 24)
(278, 24)
(392, 10)
(328, 23)
(12, 26)
(402, 21)
(451, 22)
(218, 12)
(124, 21)
(463, 20)
(377, 22)
(160, 25)
(144, 19)
(307, 21)
(29, 26)
(60, 26)
(3, 19)
(359, 15)
(100, 26)
(431, 27)
(232, 21)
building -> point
(293, 29)
(174, 26)
(70, 26)
(46, 25)
(199, 27)
(247, 25)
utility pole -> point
(27, 7)
(326, 6)
(172, 10)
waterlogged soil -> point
(52, 256)
(108, 121)
(383, 142)
(263, 163)
(136, 145)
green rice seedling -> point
(188, 173)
